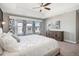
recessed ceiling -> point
(26, 9)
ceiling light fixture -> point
(43, 6)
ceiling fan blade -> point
(47, 4)
(47, 8)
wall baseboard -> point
(70, 41)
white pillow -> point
(8, 43)
(14, 36)
(9, 33)
(1, 50)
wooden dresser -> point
(58, 35)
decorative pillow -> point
(14, 36)
(9, 33)
(8, 43)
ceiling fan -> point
(43, 6)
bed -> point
(35, 45)
(38, 45)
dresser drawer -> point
(58, 35)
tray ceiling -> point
(26, 9)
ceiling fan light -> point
(40, 10)
(42, 7)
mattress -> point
(37, 45)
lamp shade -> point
(3, 23)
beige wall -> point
(6, 25)
(67, 24)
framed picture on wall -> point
(55, 25)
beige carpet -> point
(69, 49)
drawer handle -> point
(55, 35)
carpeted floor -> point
(69, 49)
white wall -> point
(67, 24)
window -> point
(29, 27)
(19, 28)
(23, 27)
(37, 27)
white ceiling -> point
(26, 9)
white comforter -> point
(36, 45)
